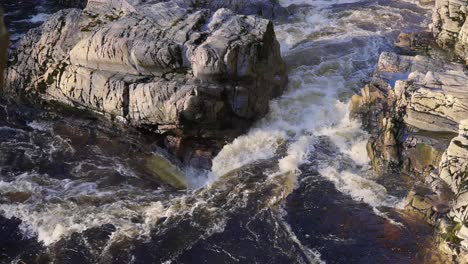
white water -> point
(340, 48)
(316, 102)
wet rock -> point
(410, 43)
(450, 25)
(421, 203)
(168, 173)
(164, 66)
(18, 197)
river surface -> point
(297, 188)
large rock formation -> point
(165, 65)
(416, 110)
(412, 107)
(3, 47)
(450, 25)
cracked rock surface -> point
(167, 65)
(450, 25)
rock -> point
(450, 25)
(17, 197)
(432, 95)
(420, 203)
(445, 225)
(441, 208)
(454, 164)
(410, 42)
(463, 233)
(168, 173)
(3, 48)
(428, 95)
(426, 2)
(160, 65)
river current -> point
(72, 189)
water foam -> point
(342, 49)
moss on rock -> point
(166, 172)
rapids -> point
(297, 188)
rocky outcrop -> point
(3, 47)
(415, 108)
(453, 167)
(165, 66)
(450, 25)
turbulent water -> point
(73, 190)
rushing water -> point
(78, 193)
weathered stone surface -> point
(434, 96)
(161, 64)
(453, 171)
(450, 25)
(3, 47)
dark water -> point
(74, 188)
(22, 15)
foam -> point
(359, 188)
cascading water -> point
(308, 194)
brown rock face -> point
(3, 48)
(415, 109)
(412, 122)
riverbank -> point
(297, 187)
(414, 108)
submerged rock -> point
(165, 66)
(163, 169)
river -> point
(305, 192)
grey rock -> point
(168, 65)
(450, 25)
(433, 94)
(454, 164)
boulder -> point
(450, 25)
(167, 66)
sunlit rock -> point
(450, 25)
(164, 65)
